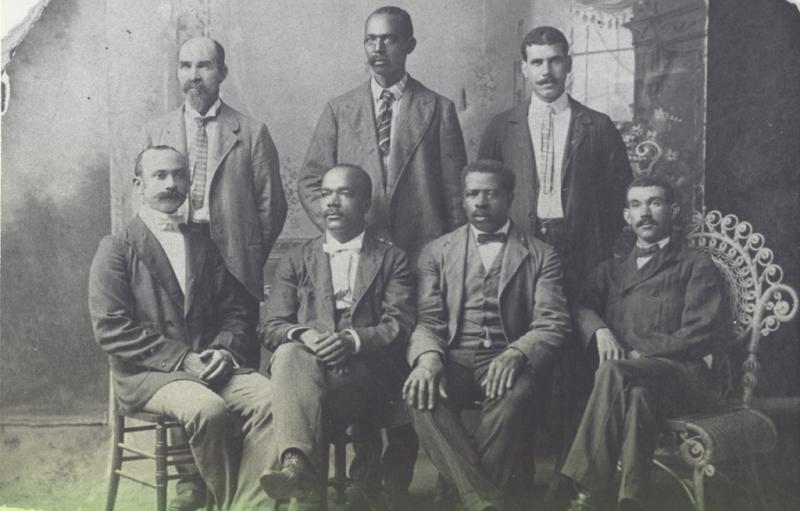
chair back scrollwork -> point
(760, 301)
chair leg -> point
(161, 466)
(759, 499)
(699, 489)
(116, 460)
(340, 469)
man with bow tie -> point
(491, 314)
(651, 317)
(340, 311)
(170, 316)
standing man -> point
(235, 188)
(652, 317)
(572, 169)
(409, 141)
(236, 185)
(491, 313)
(341, 310)
(171, 318)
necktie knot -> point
(201, 122)
(645, 251)
(338, 249)
(387, 96)
(489, 237)
(169, 223)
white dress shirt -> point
(549, 205)
(165, 229)
(489, 251)
(397, 91)
(213, 132)
(343, 259)
(641, 261)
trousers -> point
(229, 433)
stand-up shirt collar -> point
(397, 89)
(538, 107)
(191, 113)
(159, 221)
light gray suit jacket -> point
(420, 196)
(533, 307)
(246, 197)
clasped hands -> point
(334, 349)
(211, 365)
(428, 379)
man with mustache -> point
(235, 187)
(651, 317)
(572, 168)
(408, 138)
(341, 309)
(491, 315)
(171, 318)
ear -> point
(626, 214)
(224, 72)
(510, 198)
(568, 63)
(674, 209)
(412, 43)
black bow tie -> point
(645, 251)
(499, 237)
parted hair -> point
(543, 35)
(137, 168)
(657, 181)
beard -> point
(198, 97)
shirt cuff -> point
(355, 337)
(294, 333)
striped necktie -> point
(385, 121)
(546, 173)
(200, 157)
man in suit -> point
(409, 140)
(651, 316)
(170, 317)
(341, 309)
(572, 168)
(491, 313)
(235, 189)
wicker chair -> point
(739, 429)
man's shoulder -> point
(354, 94)
(595, 116)
(444, 242)
(691, 255)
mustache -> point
(170, 194)
(194, 86)
(546, 81)
(646, 220)
(374, 58)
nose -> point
(481, 200)
(194, 73)
(333, 200)
(380, 45)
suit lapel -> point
(155, 259)
(228, 137)
(515, 253)
(520, 139)
(319, 270)
(196, 251)
(455, 262)
(413, 118)
(369, 262)
(361, 117)
(577, 133)
(634, 276)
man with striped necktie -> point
(235, 191)
(408, 139)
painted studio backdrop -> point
(85, 75)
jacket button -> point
(543, 229)
(163, 364)
(531, 215)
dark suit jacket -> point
(246, 198)
(420, 198)
(533, 307)
(595, 174)
(673, 307)
(383, 309)
(143, 320)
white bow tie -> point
(331, 249)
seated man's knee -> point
(211, 414)
(521, 397)
(292, 355)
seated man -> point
(491, 313)
(169, 315)
(652, 316)
(339, 315)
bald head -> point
(354, 176)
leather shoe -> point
(187, 500)
(295, 478)
(584, 502)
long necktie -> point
(548, 152)
(385, 121)
(200, 156)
